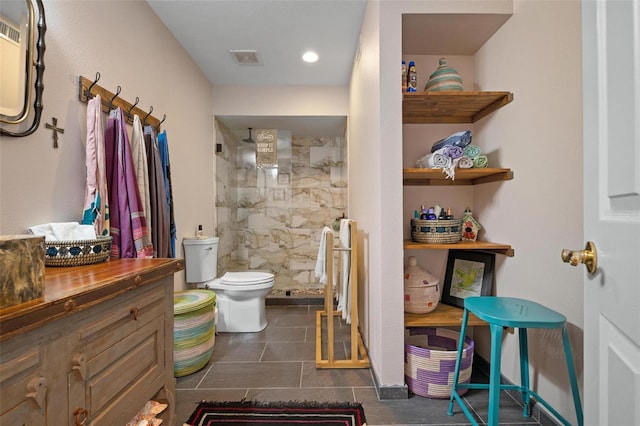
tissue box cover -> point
(22, 266)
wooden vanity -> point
(94, 349)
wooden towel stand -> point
(359, 357)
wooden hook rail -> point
(114, 100)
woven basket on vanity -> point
(77, 252)
(436, 231)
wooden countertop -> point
(443, 316)
(71, 289)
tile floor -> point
(279, 364)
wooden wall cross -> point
(55, 129)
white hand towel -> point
(344, 290)
(321, 262)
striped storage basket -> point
(193, 330)
(430, 361)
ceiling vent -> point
(9, 32)
(246, 57)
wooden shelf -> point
(505, 249)
(437, 177)
(442, 316)
(451, 107)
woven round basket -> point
(77, 253)
(430, 361)
(193, 330)
(436, 231)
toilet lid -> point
(246, 278)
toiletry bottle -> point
(423, 213)
(199, 233)
(449, 213)
(412, 80)
(404, 76)
(431, 215)
(442, 215)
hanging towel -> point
(344, 289)
(159, 209)
(463, 162)
(321, 261)
(139, 157)
(163, 147)
(96, 198)
(460, 139)
(471, 151)
(128, 223)
(481, 161)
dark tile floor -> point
(279, 364)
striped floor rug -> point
(277, 413)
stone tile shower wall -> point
(280, 212)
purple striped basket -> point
(430, 360)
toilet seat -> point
(246, 278)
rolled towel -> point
(452, 151)
(435, 160)
(480, 162)
(464, 162)
(460, 139)
(471, 151)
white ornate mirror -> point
(22, 27)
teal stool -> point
(502, 312)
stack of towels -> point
(455, 151)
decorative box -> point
(421, 289)
(22, 266)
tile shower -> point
(271, 219)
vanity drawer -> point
(119, 358)
(23, 389)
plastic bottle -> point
(404, 76)
(412, 79)
(199, 233)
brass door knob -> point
(588, 256)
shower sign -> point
(267, 148)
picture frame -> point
(469, 273)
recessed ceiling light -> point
(310, 56)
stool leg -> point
(524, 371)
(494, 374)
(456, 373)
(572, 375)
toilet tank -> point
(201, 259)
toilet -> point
(240, 296)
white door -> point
(611, 104)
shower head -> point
(250, 139)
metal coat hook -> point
(112, 99)
(144, 122)
(133, 106)
(164, 117)
(93, 84)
